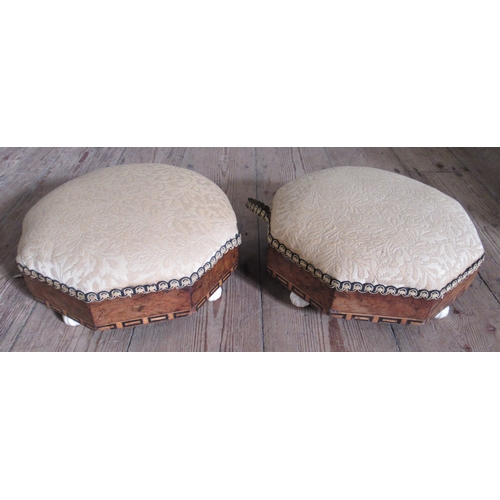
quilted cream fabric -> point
(365, 225)
(126, 226)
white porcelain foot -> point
(70, 322)
(216, 295)
(443, 313)
(297, 301)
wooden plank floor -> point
(254, 313)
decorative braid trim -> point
(259, 208)
(134, 290)
(348, 286)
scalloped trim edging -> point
(348, 286)
(260, 209)
(135, 290)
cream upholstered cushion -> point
(359, 227)
(113, 231)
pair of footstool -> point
(136, 244)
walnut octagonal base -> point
(139, 309)
(356, 305)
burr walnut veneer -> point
(356, 305)
(138, 309)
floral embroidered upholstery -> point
(127, 229)
(365, 229)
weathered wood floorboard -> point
(255, 313)
(484, 163)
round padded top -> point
(366, 229)
(127, 229)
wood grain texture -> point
(383, 158)
(254, 313)
(138, 309)
(484, 164)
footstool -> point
(129, 245)
(367, 244)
